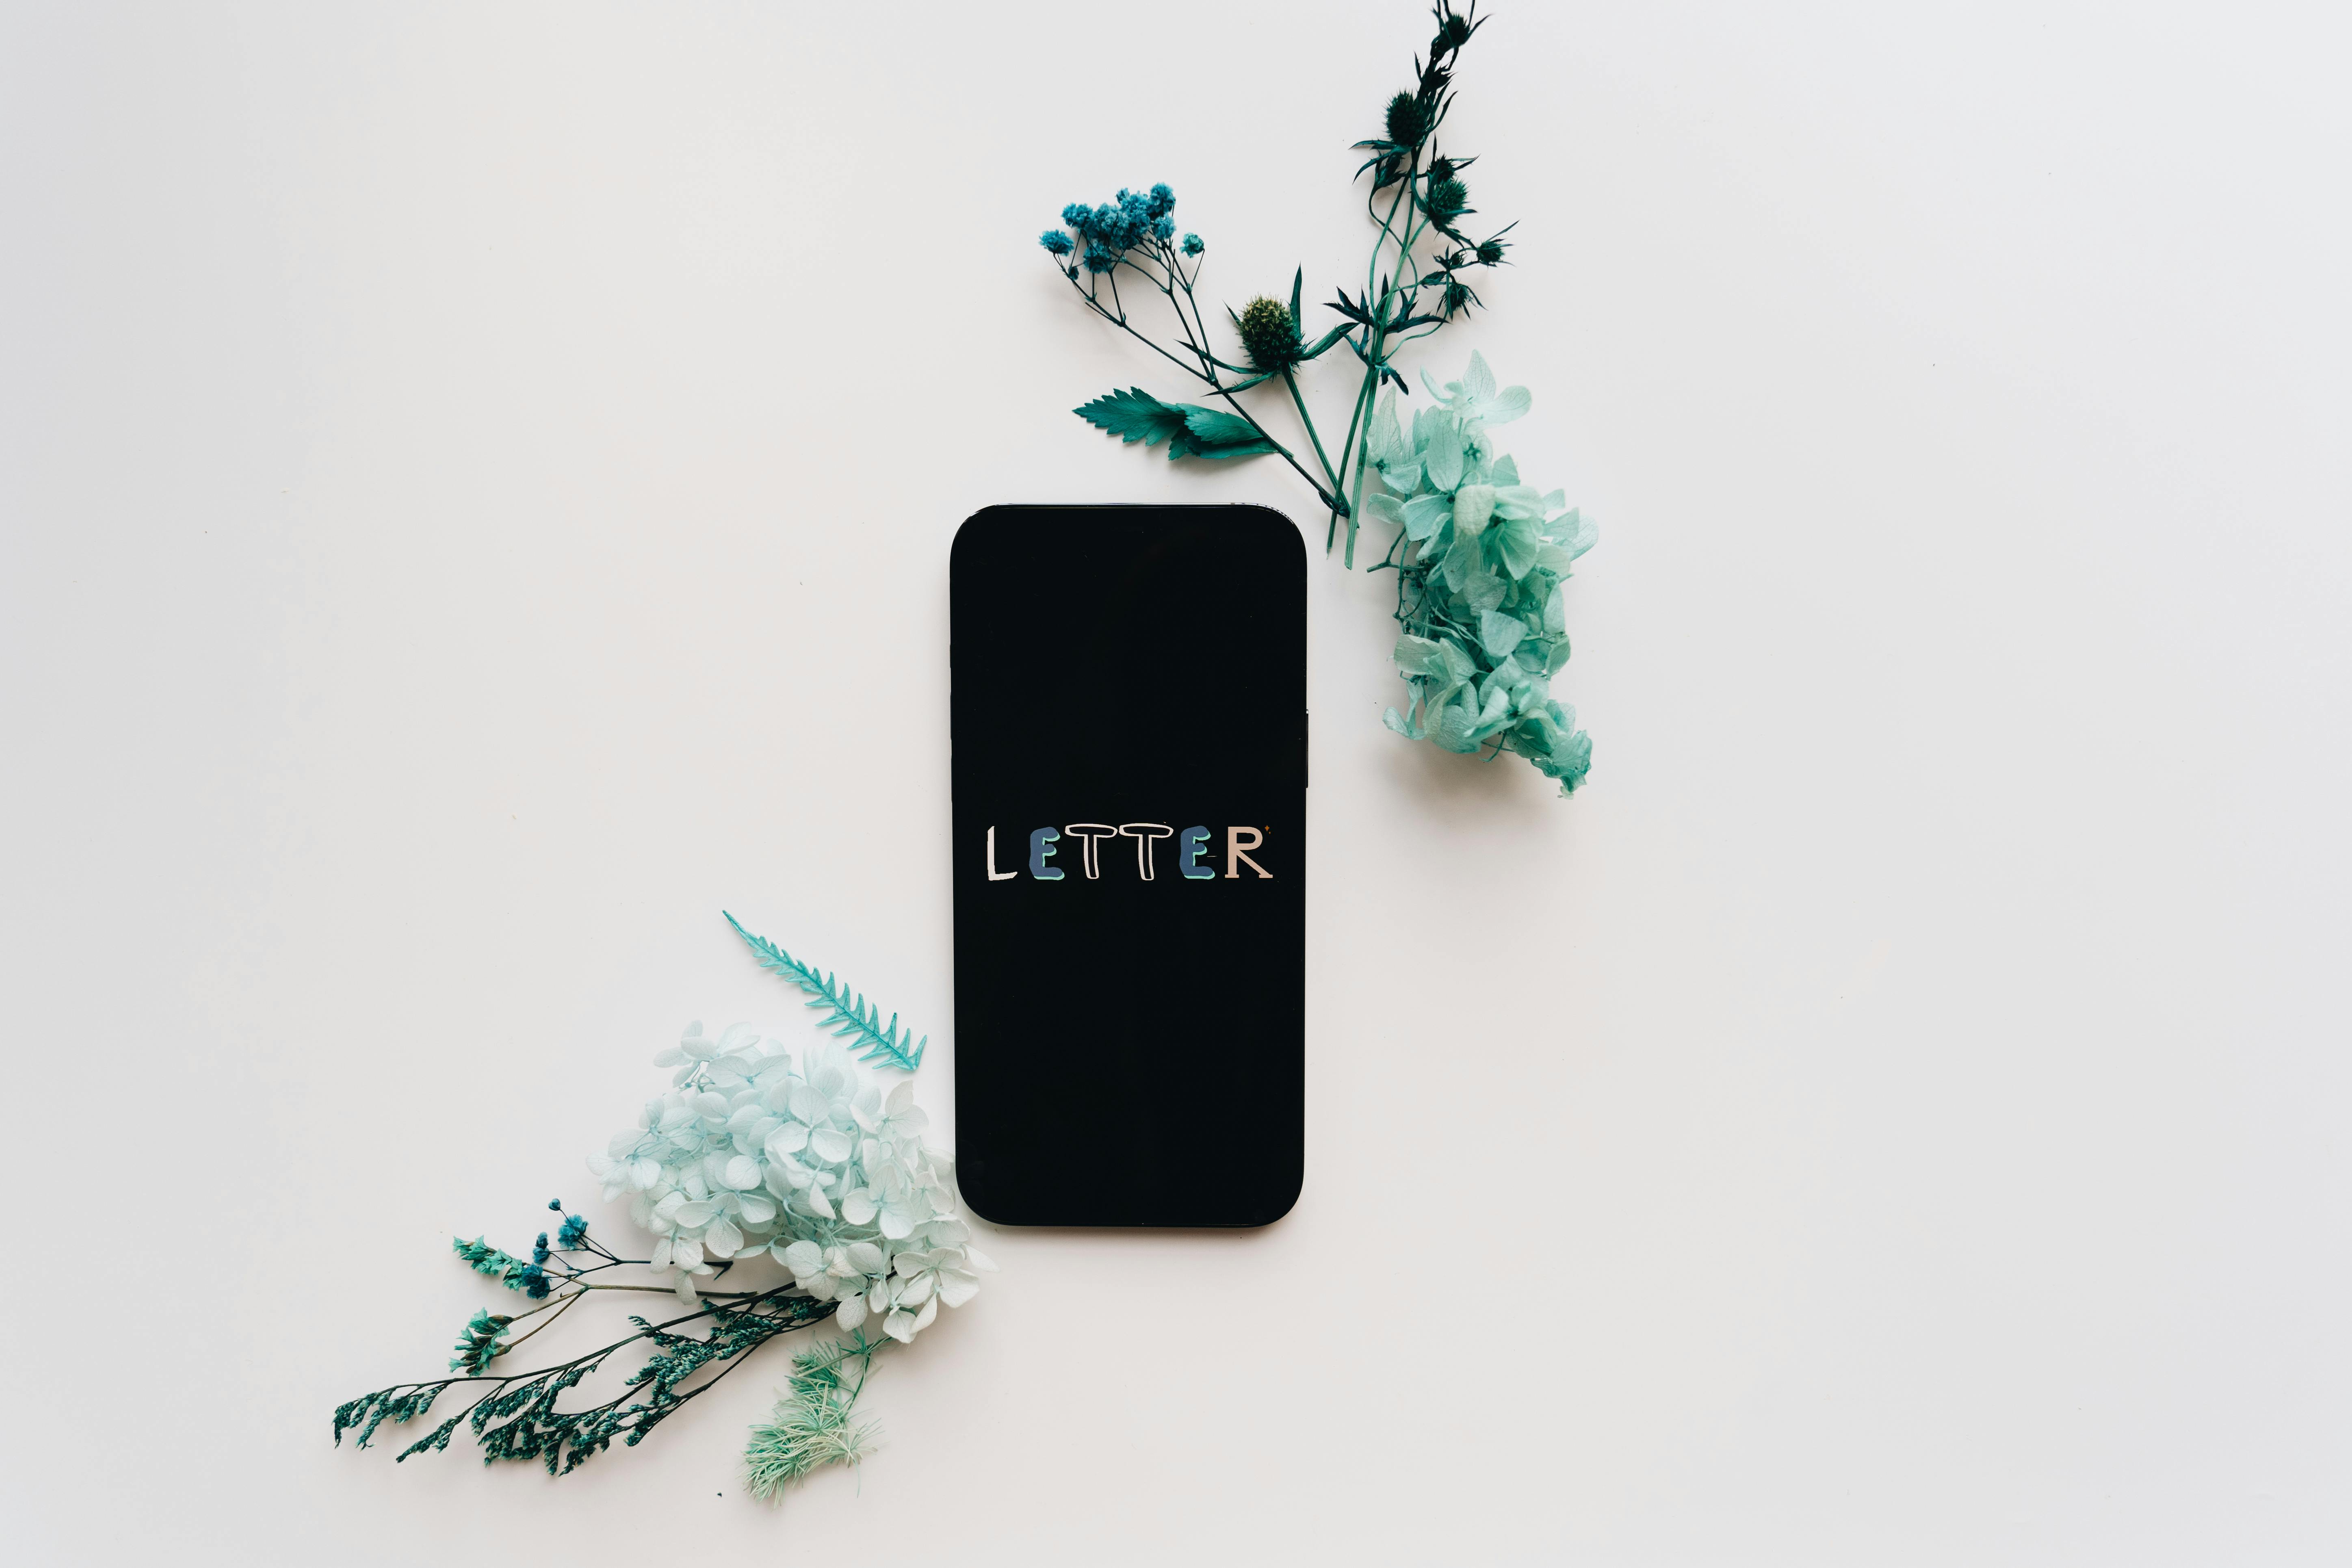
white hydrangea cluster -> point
(814, 1166)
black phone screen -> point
(1128, 722)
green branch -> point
(849, 1015)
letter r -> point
(1238, 841)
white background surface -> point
(477, 484)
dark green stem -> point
(1306, 419)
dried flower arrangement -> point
(1479, 556)
(750, 1157)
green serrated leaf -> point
(1215, 434)
(1134, 416)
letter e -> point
(1041, 844)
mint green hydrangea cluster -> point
(1479, 559)
(813, 1164)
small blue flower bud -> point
(1055, 242)
(1193, 245)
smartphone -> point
(1128, 724)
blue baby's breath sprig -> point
(1137, 231)
(1480, 606)
(847, 1013)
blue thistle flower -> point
(1269, 335)
(1055, 242)
(1193, 245)
(1408, 119)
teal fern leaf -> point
(848, 1014)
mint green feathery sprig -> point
(849, 1015)
(810, 1426)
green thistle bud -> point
(1440, 170)
(1452, 32)
(1490, 251)
(1447, 198)
(1408, 121)
(1269, 335)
